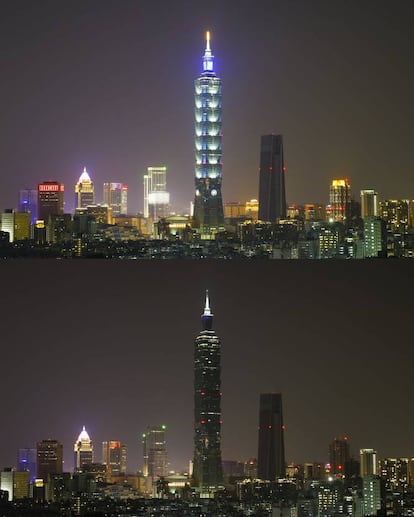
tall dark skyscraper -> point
(271, 451)
(49, 199)
(207, 469)
(208, 203)
(272, 195)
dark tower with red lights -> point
(272, 195)
(271, 453)
(207, 469)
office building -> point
(375, 236)
(207, 467)
(371, 492)
(396, 214)
(156, 197)
(395, 472)
(115, 195)
(271, 443)
(114, 456)
(28, 202)
(368, 462)
(369, 203)
(15, 483)
(339, 456)
(49, 458)
(208, 203)
(49, 199)
(26, 461)
(84, 191)
(83, 450)
(340, 201)
(272, 195)
(7, 223)
(155, 452)
(16, 224)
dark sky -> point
(109, 345)
(109, 84)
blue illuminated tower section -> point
(208, 203)
(207, 468)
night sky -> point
(109, 345)
(108, 84)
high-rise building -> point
(114, 456)
(16, 483)
(371, 492)
(271, 443)
(340, 200)
(156, 197)
(115, 195)
(339, 456)
(368, 462)
(49, 199)
(85, 194)
(83, 450)
(375, 236)
(369, 204)
(155, 452)
(208, 203)
(49, 458)
(272, 195)
(26, 461)
(207, 467)
(396, 214)
(28, 202)
(16, 224)
(395, 472)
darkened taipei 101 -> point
(208, 203)
(207, 468)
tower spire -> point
(208, 58)
(207, 310)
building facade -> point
(84, 191)
(271, 443)
(83, 450)
(49, 458)
(156, 197)
(208, 203)
(115, 195)
(272, 194)
(207, 466)
(369, 203)
(114, 456)
(339, 456)
(49, 199)
(368, 462)
(340, 201)
(155, 452)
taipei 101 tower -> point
(207, 468)
(208, 203)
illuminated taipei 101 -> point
(208, 204)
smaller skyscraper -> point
(85, 194)
(115, 195)
(114, 456)
(26, 461)
(49, 199)
(271, 443)
(156, 197)
(28, 202)
(155, 452)
(340, 201)
(375, 236)
(49, 458)
(369, 203)
(83, 450)
(272, 195)
(371, 490)
(339, 456)
(368, 462)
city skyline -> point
(80, 100)
(354, 310)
